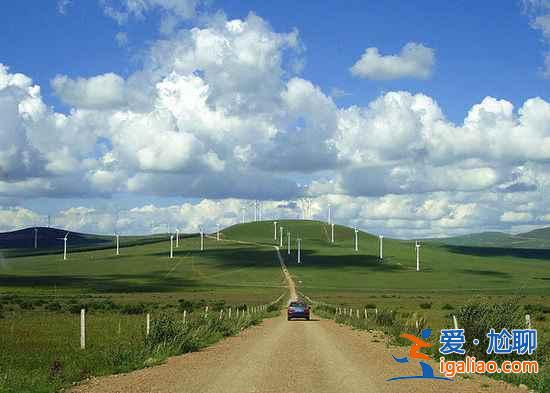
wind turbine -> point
(202, 239)
(171, 246)
(281, 237)
(332, 232)
(35, 238)
(356, 240)
(275, 230)
(218, 232)
(117, 244)
(177, 238)
(288, 242)
(329, 217)
(64, 245)
(299, 245)
(417, 256)
(243, 210)
(381, 238)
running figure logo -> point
(417, 344)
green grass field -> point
(40, 293)
(450, 275)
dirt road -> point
(281, 356)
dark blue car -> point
(298, 309)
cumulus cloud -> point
(105, 91)
(121, 38)
(410, 216)
(217, 112)
(538, 12)
(413, 61)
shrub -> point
(132, 309)
(425, 306)
(104, 305)
(75, 308)
(477, 319)
(53, 306)
(26, 305)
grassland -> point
(40, 292)
(450, 277)
(41, 295)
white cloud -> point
(538, 12)
(105, 91)
(414, 61)
(121, 39)
(516, 217)
(62, 6)
(217, 112)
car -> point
(298, 309)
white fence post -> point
(455, 322)
(148, 324)
(528, 321)
(366, 315)
(184, 316)
(82, 329)
(229, 313)
(221, 314)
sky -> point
(409, 120)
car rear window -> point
(297, 304)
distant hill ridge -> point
(538, 238)
(48, 237)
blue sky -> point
(477, 50)
(482, 48)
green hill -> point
(328, 267)
(50, 240)
(541, 233)
(537, 239)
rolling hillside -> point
(536, 239)
(49, 240)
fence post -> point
(416, 324)
(237, 313)
(528, 321)
(455, 322)
(148, 324)
(376, 313)
(221, 314)
(184, 316)
(357, 313)
(206, 312)
(82, 329)
(229, 313)
(366, 315)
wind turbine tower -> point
(171, 246)
(417, 256)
